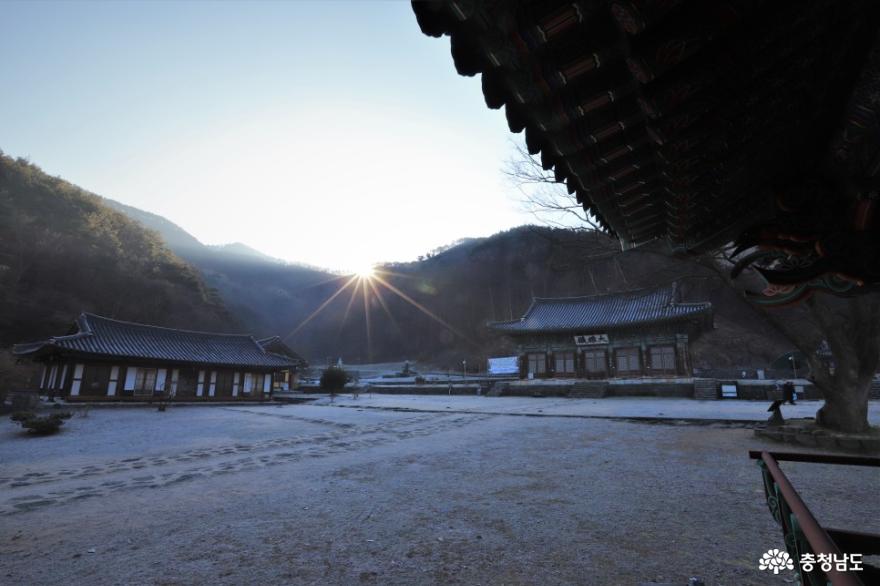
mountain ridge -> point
(177, 238)
(434, 309)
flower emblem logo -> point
(775, 560)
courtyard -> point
(406, 490)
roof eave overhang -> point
(68, 353)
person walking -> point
(788, 394)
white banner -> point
(504, 365)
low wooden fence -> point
(821, 555)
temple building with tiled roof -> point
(111, 359)
(631, 334)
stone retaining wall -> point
(813, 437)
(538, 390)
(680, 390)
(700, 388)
(420, 389)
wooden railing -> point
(805, 538)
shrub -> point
(333, 379)
(38, 425)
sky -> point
(330, 133)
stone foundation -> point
(426, 389)
(649, 389)
(810, 435)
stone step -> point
(705, 388)
(589, 390)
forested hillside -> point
(63, 251)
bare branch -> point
(543, 196)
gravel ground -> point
(320, 494)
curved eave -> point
(46, 349)
(29, 348)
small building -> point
(619, 335)
(103, 358)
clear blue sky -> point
(332, 133)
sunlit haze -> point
(330, 133)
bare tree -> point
(542, 195)
(839, 336)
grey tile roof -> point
(603, 312)
(275, 345)
(103, 336)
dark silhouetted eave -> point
(666, 118)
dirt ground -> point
(321, 494)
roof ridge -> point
(257, 344)
(694, 303)
(645, 290)
(285, 357)
(84, 330)
(506, 321)
(155, 327)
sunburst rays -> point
(315, 313)
(370, 282)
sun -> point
(365, 272)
